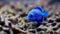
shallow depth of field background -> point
(13, 17)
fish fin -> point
(38, 7)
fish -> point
(37, 15)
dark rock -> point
(50, 21)
(44, 24)
(39, 29)
(15, 31)
(54, 29)
(1, 29)
(57, 20)
(53, 24)
(50, 32)
(2, 23)
(23, 15)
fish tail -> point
(46, 13)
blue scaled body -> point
(37, 14)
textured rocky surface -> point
(13, 19)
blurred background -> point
(13, 17)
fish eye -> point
(31, 15)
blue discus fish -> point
(37, 15)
